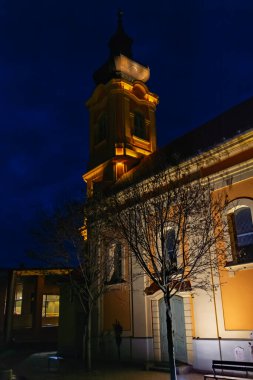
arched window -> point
(171, 250)
(241, 234)
(140, 129)
(101, 130)
(115, 264)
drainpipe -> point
(132, 305)
(215, 308)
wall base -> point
(206, 350)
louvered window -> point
(101, 130)
(140, 129)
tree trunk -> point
(8, 318)
(84, 344)
(172, 362)
(88, 342)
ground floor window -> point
(18, 299)
(50, 309)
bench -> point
(226, 367)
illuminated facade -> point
(122, 134)
(122, 115)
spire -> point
(120, 42)
(120, 17)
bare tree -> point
(70, 239)
(172, 223)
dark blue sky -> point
(200, 53)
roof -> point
(230, 124)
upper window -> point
(140, 129)
(101, 130)
(115, 264)
(241, 232)
(171, 249)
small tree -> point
(172, 225)
(65, 239)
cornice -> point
(119, 86)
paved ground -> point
(35, 367)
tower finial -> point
(120, 16)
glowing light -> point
(131, 153)
(84, 232)
(119, 149)
(126, 86)
(120, 169)
(41, 272)
(131, 68)
(150, 98)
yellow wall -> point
(117, 306)
(242, 189)
(237, 287)
(237, 297)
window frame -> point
(18, 299)
(100, 130)
(112, 278)
(45, 302)
(173, 258)
(140, 128)
(235, 205)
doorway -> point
(179, 333)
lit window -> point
(115, 264)
(101, 130)
(139, 126)
(50, 305)
(241, 232)
(18, 299)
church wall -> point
(116, 306)
(216, 323)
(237, 287)
(237, 300)
(228, 313)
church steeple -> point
(122, 114)
(120, 42)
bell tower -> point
(122, 115)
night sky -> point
(200, 55)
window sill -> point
(141, 140)
(234, 266)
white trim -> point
(234, 205)
(155, 298)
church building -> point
(122, 143)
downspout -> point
(215, 308)
(132, 306)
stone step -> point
(182, 368)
